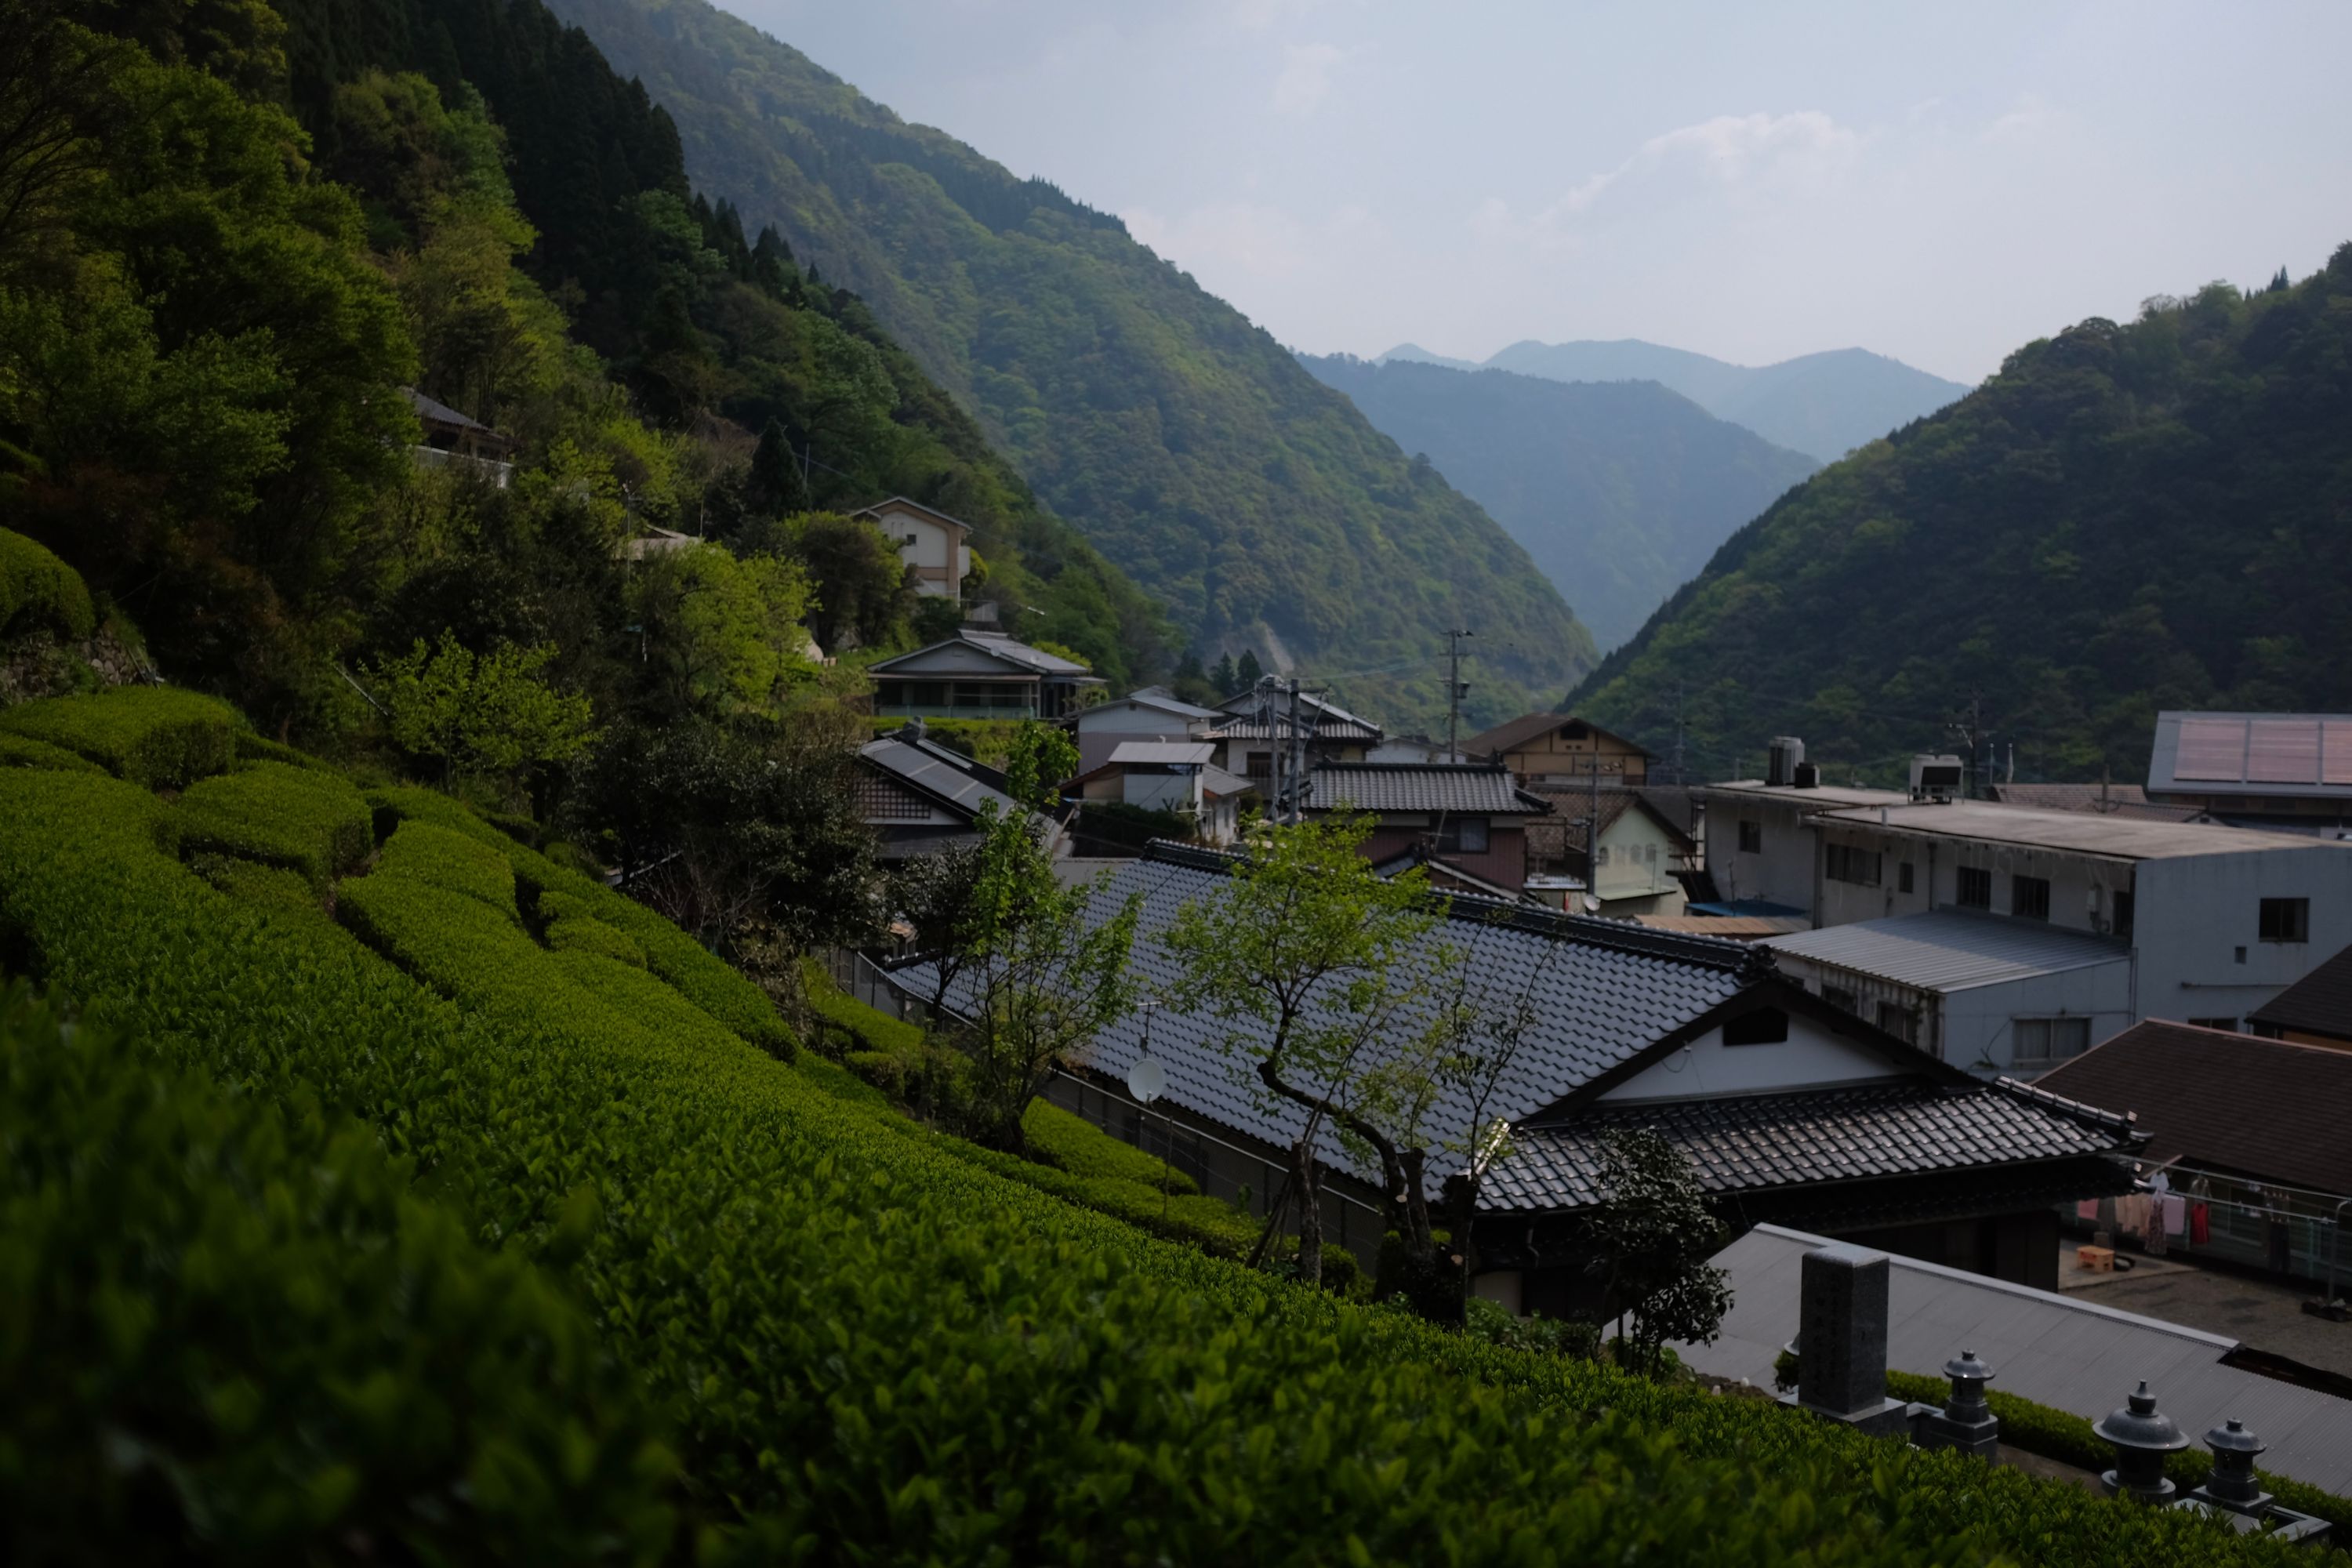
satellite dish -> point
(1591, 905)
(1147, 1080)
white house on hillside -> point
(932, 542)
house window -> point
(1751, 837)
(1903, 877)
(1848, 863)
(1467, 836)
(2229, 1026)
(1600, 860)
(1261, 764)
(2124, 915)
(1975, 888)
(1837, 996)
(2048, 1039)
(2029, 898)
(2286, 920)
(1764, 1027)
(1900, 1022)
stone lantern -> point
(2231, 1484)
(2142, 1437)
(1967, 1421)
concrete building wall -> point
(1974, 1028)
(1637, 863)
(1100, 730)
(2199, 929)
(1780, 870)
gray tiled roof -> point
(1751, 1143)
(1601, 991)
(1458, 788)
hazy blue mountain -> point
(1181, 439)
(1620, 489)
(1822, 405)
(1413, 353)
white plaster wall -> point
(934, 547)
(1101, 730)
(1811, 1057)
(1978, 1022)
(1782, 872)
(2196, 912)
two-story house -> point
(1539, 748)
(2063, 927)
(935, 545)
(1252, 727)
(1446, 816)
(1640, 851)
(1148, 714)
(979, 674)
(1761, 842)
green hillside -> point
(1620, 490)
(444, 1206)
(2125, 519)
(1185, 441)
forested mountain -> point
(1620, 490)
(248, 227)
(1186, 443)
(1822, 405)
(2125, 518)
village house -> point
(978, 674)
(1253, 726)
(453, 438)
(1790, 1110)
(1638, 868)
(1448, 817)
(1148, 714)
(1176, 776)
(935, 546)
(920, 797)
(1542, 748)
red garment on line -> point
(2199, 1225)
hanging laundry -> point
(2175, 1213)
(2088, 1208)
(2200, 1223)
(2131, 1214)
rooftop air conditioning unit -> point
(1782, 760)
(1935, 778)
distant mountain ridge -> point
(1182, 440)
(2125, 519)
(1620, 489)
(1822, 405)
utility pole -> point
(1973, 730)
(1454, 692)
(1297, 746)
(1277, 752)
(1678, 734)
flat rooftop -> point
(1950, 949)
(2114, 837)
(1821, 797)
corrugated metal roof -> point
(2252, 753)
(2055, 1349)
(1950, 949)
(1163, 752)
(2082, 833)
(1463, 787)
(994, 644)
(1747, 1143)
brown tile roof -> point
(2318, 1004)
(1519, 731)
(2263, 1108)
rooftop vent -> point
(1782, 760)
(1809, 776)
(1935, 778)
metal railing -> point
(2294, 1231)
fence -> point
(2285, 1230)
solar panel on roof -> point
(2335, 753)
(2211, 749)
(2283, 751)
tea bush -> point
(307, 820)
(228, 1330)
(1072, 1143)
(156, 736)
(39, 592)
(871, 1348)
(24, 752)
(253, 748)
(583, 934)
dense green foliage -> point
(231, 1330)
(858, 1337)
(1619, 490)
(1187, 444)
(24, 752)
(2125, 519)
(158, 736)
(305, 819)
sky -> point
(1940, 183)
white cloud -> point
(1305, 80)
(2029, 123)
(1227, 238)
(1750, 157)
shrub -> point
(253, 748)
(228, 1332)
(24, 752)
(873, 1349)
(303, 819)
(39, 592)
(584, 934)
(266, 886)
(157, 736)
(866, 1030)
(453, 862)
(1070, 1142)
(1496, 1325)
